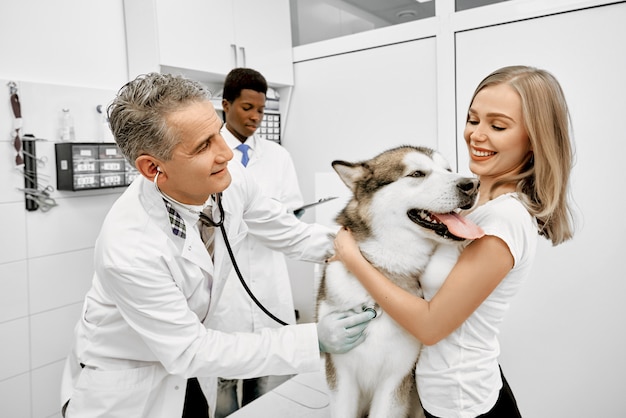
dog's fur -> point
(376, 379)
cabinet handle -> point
(234, 48)
(243, 55)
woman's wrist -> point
(353, 259)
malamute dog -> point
(403, 206)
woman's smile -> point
(480, 154)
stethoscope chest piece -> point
(374, 309)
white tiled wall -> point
(46, 258)
(15, 357)
(13, 290)
(12, 223)
(74, 224)
(51, 334)
(46, 401)
(15, 396)
(50, 291)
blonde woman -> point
(517, 136)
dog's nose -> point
(469, 186)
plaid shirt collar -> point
(176, 221)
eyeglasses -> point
(17, 143)
(17, 112)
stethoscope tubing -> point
(243, 282)
(206, 220)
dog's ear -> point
(349, 173)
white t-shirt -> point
(459, 376)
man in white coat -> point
(264, 270)
(141, 340)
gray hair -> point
(138, 113)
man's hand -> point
(340, 332)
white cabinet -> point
(205, 39)
(195, 34)
(263, 35)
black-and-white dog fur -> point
(392, 215)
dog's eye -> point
(417, 173)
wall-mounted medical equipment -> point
(88, 165)
(270, 127)
(36, 196)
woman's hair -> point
(543, 183)
(243, 78)
(137, 115)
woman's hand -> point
(346, 247)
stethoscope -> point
(207, 221)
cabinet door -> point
(263, 38)
(196, 35)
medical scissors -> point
(41, 197)
(41, 161)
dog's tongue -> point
(460, 226)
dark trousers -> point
(196, 405)
(505, 407)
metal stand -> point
(30, 168)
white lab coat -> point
(264, 269)
(140, 335)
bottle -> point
(67, 126)
(105, 131)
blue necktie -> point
(244, 154)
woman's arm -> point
(480, 268)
